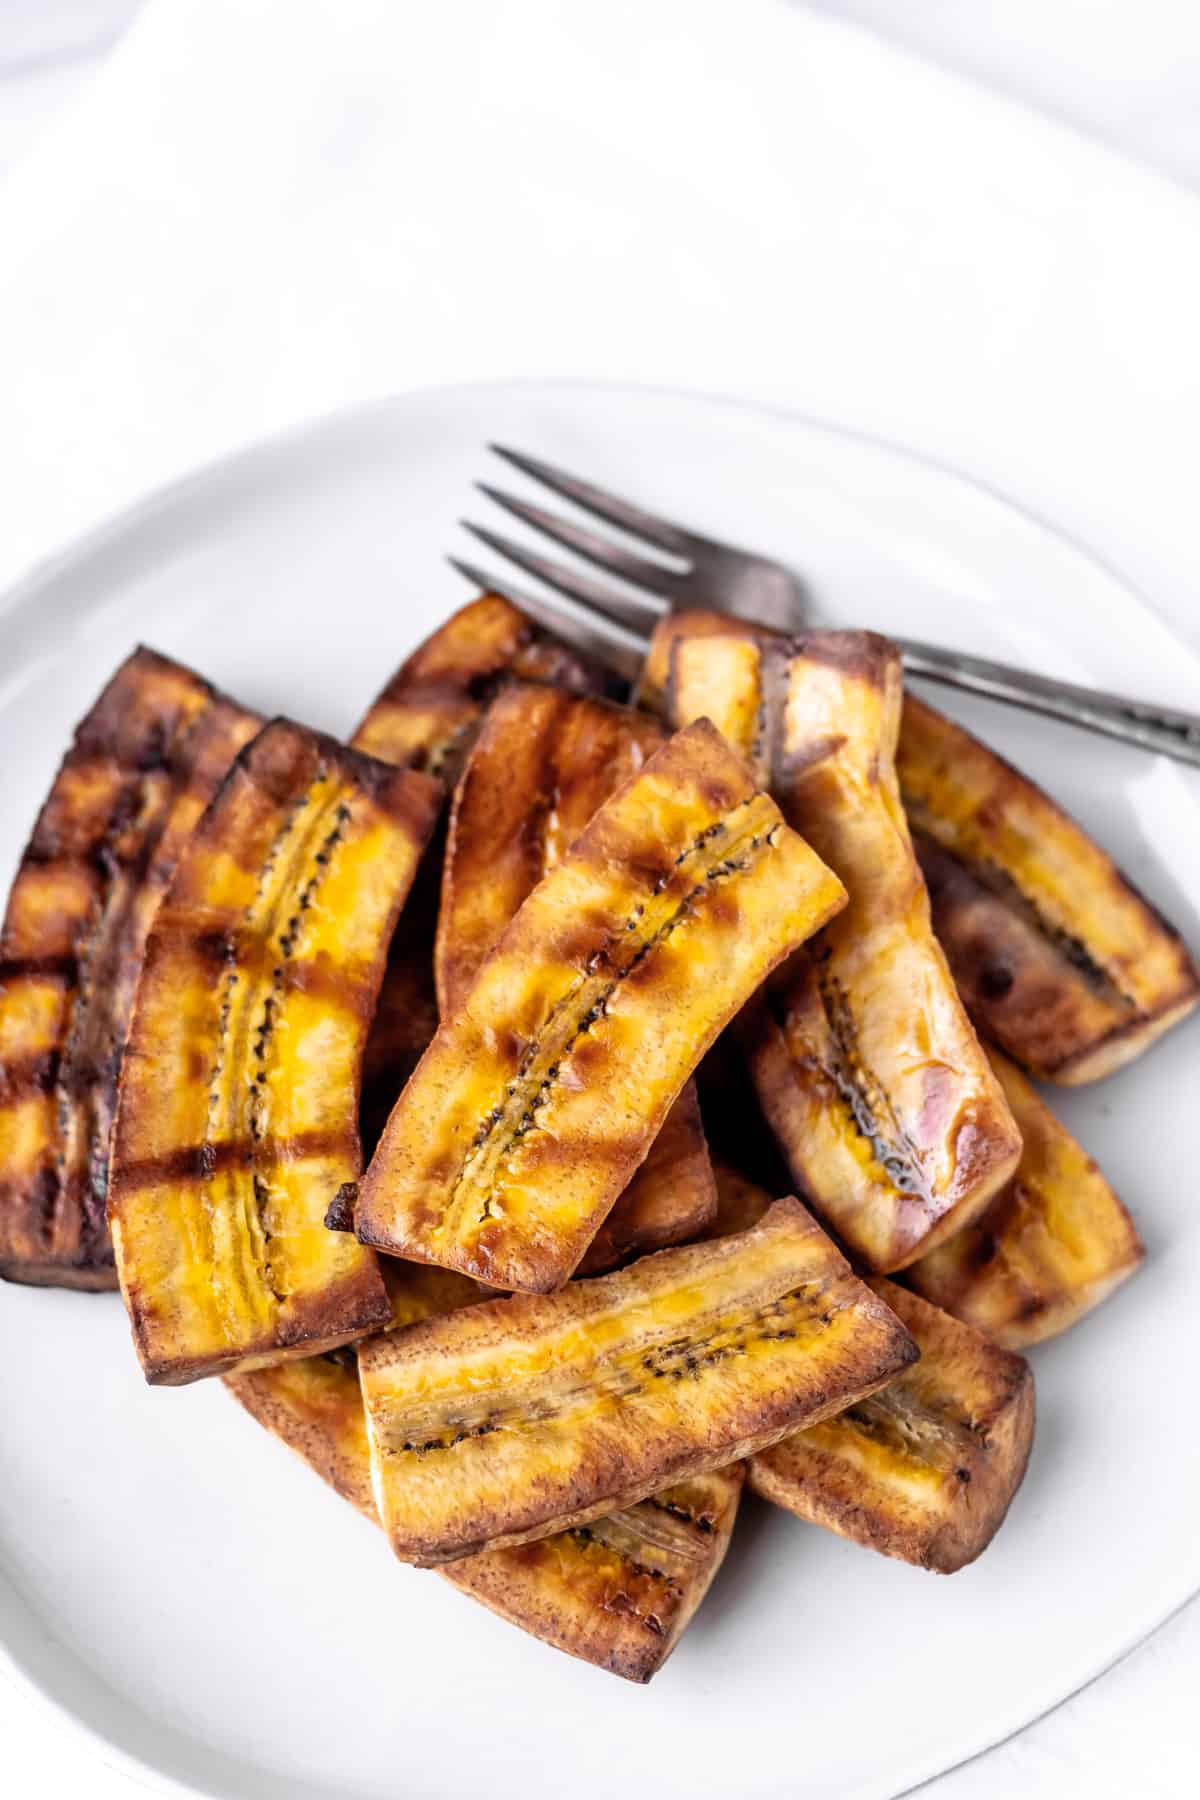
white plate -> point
(188, 1592)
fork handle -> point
(1175, 734)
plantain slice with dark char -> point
(235, 1124)
(617, 1593)
(1051, 1246)
(541, 1096)
(143, 765)
(543, 764)
(868, 1070)
(1058, 957)
(427, 715)
(426, 718)
(508, 1421)
(924, 1469)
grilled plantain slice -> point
(867, 1067)
(235, 1123)
(536, 1102)
(617, 1593)
(926, 1469)
(1051, 1246)
(427, 715)
(517, 1418)
(1058, 957)
(542, 765)
(142, 767)
(426, 718)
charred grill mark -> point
(644, 929)
(64, 966)
(256, 962)
(36, 1073)
(634, 1370)
(861, 1092)
(43, 1200)
(1002, 885)
(201, 1162)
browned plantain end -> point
(1058, 957)
(655, 678)
(142, 767)
(617, 1593)
(867, 1068)
(536, 1102)
(543, 764)
(518, 1418)
(1050, 1247)
(924, 1470)
(427, 715)
(235, 1124)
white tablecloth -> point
(263, 209)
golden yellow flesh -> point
(1050, 1247)
(617, 1593)
(521, 1417)
(143, 765)
(1059, 959)
(538, 1099)
(543, 764)
(236, 1120)
(866, 1065)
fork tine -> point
(605, 505)
(614, 645)
(641, 570)
(625, 609)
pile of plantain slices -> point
(533, 952)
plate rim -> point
(235, 464)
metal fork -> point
(692, 571)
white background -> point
(127, 351)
